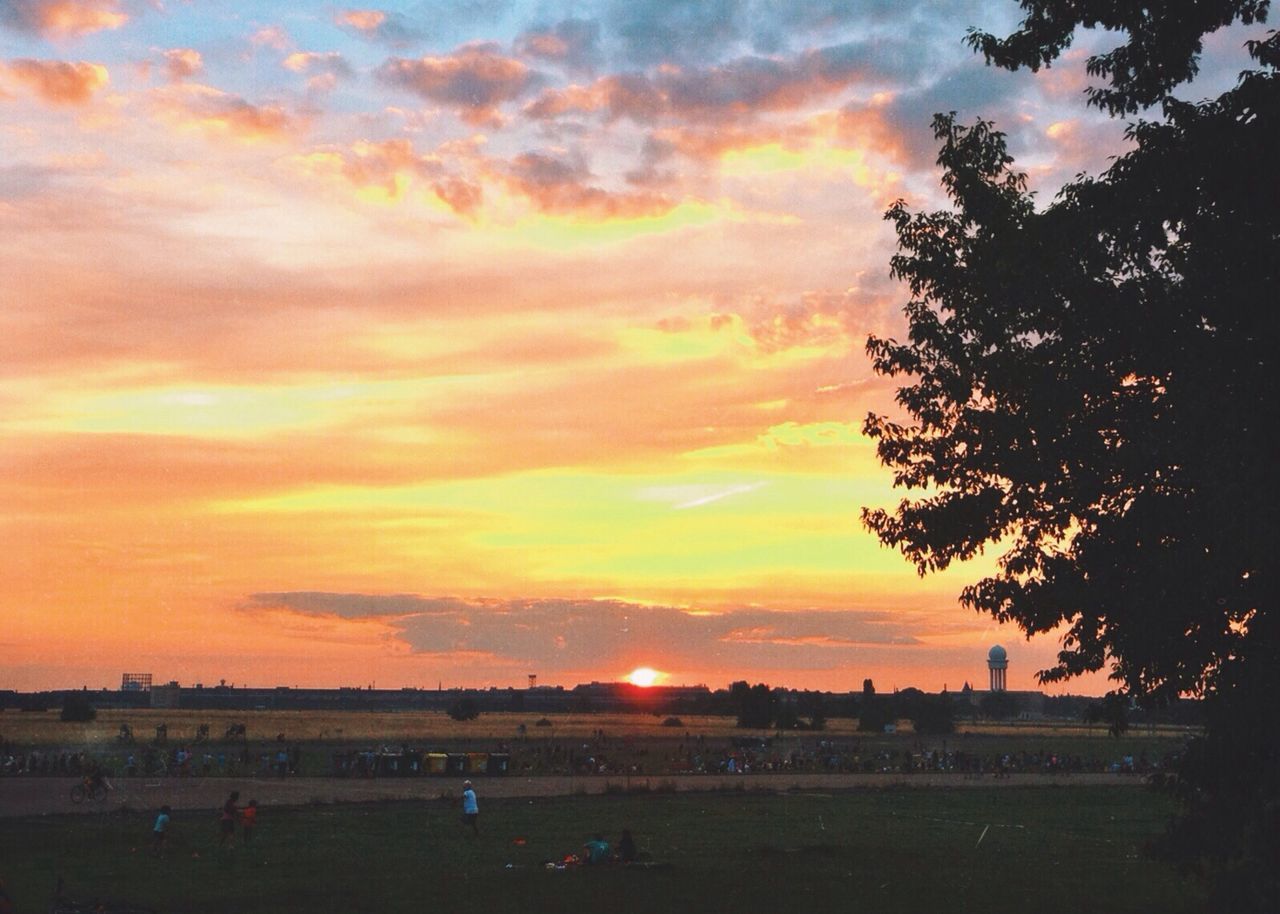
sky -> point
(447, 343)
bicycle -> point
(88, 789)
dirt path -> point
(51, 796)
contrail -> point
(708, 499)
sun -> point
(643, 676)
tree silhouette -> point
(464, 709)
(77, 708)
(1093, 385)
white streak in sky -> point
(722, 494)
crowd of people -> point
(697, 755)
(601, 755)
(154, 761)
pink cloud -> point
(324, 69)
(182, 63)
(271, 36)
(63, 18)
(572, 43)
(462, 196)
(58, 82)
(561, 185)
(475, 80)
(378, 25)
(737, 90)
(312, 62)
(361, 20)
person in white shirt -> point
(470, 808)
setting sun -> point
(643, 676)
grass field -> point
(636, 741)
(1037, 850)
(47, 730)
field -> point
(46, 730)
(630, 742)
(986, 850)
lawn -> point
(981, 850)
(632, 741)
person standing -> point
(470, 807)
(627, 847)
(249, 819)
(227, 821)
(159, 832)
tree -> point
(934, 715)
(1164, 42)
(998, 706)
(464, 709)
(77, 708)
(755, 705)
(874, 714)
(1092, 385)
(1112, 710)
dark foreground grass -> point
(1039, 850)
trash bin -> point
(437, 763)
(456, 763)
(477, 762)
(499, 762)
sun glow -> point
(644, 677)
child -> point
(470, 808)
(249, 817)
(158, 832)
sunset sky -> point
(452, 342)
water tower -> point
(997, 663)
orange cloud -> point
(63, 18)
(310, 61)
(271, 36)
(58, 82)
(868, 128)
(223, 114)
(391, 165)
(461, 196)
(378, 25)
(361, 20)
(709, 145)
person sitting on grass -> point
(597, 850)
(159, 831)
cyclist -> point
(97, 778)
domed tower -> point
(997, 663)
